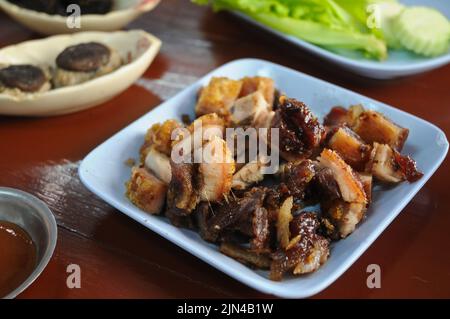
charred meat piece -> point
(245, 256)
(182, 195)
(24, 77)
(300, 131)
(324, 184)
(372, 127)
(260, 84)
(237, 213)
(349, 146)
(339, 116)
(296, 176)
(350, 187)
(388, 165)
(146, 191)
(218, 96)
(340, 218)
(306, 251)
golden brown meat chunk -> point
(159, 136)
(388, 165)
(349, 146)
(218, 96)
(372, 127)
(259, 84)
(146, 191)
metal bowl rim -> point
(48, 217)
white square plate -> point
(103, 171)
(399, 62)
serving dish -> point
(399, 62)
(137, 47)
(37, 220)
(103, 171)
(124, 11)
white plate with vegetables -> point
(338, 31)
(104, 172)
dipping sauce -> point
(17, 256)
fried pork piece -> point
(367, 181)
(339, 116)
(159, 136)
(306, 251)
(182, 195)
(247, 109)
(296, 176)
(340, 218)
(146, 191)
(265, 86)
(250, 173)
(245, 256)
(299, 130)
(388, 165)
(159, 164)
(216, 170)
(218, 96)
(349, 146)
(372, 127)
(244, 214)
(350, 187)
(342, 209)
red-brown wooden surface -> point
(120, 258)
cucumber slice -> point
(422, 30)
(389, 11)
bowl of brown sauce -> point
(28, 235)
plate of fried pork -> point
(276, 178)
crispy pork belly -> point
(146, 191)
(388, 165)
(350, 187)
(367, 181)
(245, 255)
(299, 130)
(218, 96)
(296, 176)
(159, 136)
(250, 173)
(372, 127)
(182, 195)
(339, 116)
(265, 86)
(216, 170)
(341, 218)
(349, 146)
(306, 251)
(246, 109)
(159, 164)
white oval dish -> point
(124, 11)
(137, 47)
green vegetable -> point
(322, 22)
(423, 30)
(349, 26)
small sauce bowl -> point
(33, 216)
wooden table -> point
(120, 258)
